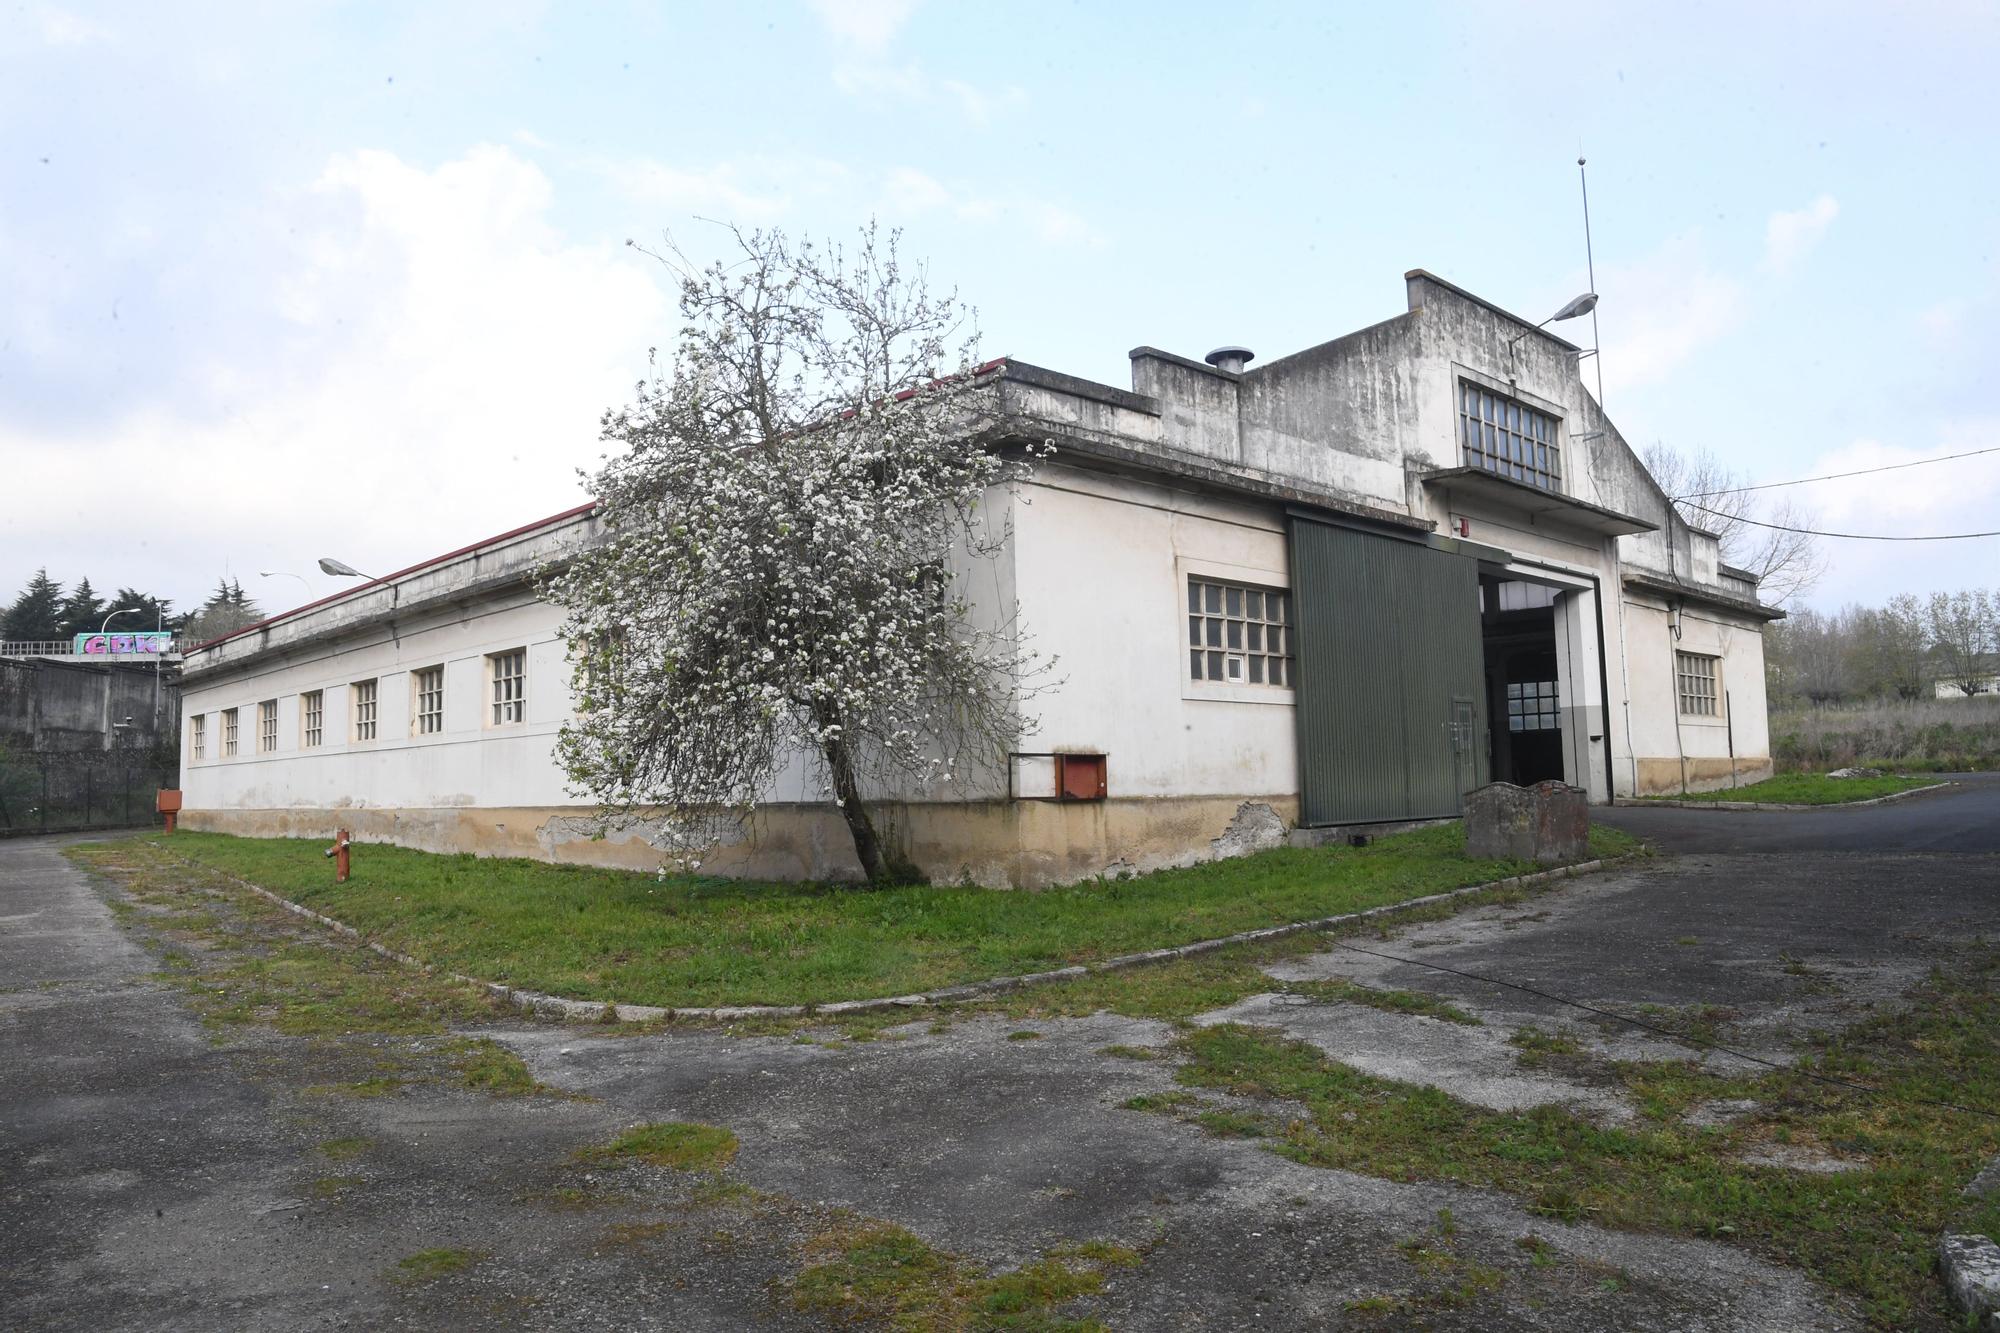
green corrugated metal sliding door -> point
(1391, 677)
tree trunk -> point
(867, 846)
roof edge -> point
(1481, 301)
(345, 593)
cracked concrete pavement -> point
(153, 1176)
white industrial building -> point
(1344, 587)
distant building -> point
(1341, 588)
(1949, 689)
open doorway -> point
(1523, 680)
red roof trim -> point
(386, 579)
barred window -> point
(1697, 683)
(1237, 634)
(228, 733)
(362, 693)
(1508, 438)
(198, 735)
(1531, 706)
(427, 719)
(508, 672)
(267, 726)
(312, 708)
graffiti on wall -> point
(143, 644)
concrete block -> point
(1547, 823)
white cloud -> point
(869, 25)
(466, 351)
(59, 27)
(883, 83)
(753, 191)
(1789, 236)
(908, 192)
(1957, 496)
(1659, 311)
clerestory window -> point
(1507, 438)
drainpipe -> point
(1674, 688)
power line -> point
(1674, 1036)
(1836, 476)
(1849, 536)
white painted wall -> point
(471, 762)
(1102, 566)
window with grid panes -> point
(1508, 438)
(509, 673)
(267, 726)
(427, 718)
(198, 735)
(228, 732)
(363, 693)
(1697, 683)
(312, 708)
(1238, 634)
(1531, 706)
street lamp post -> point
(285, 574)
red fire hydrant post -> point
(339, 854)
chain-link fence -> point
(104, 789)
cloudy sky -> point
(283, 281)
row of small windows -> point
(507, 682)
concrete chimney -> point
(1230, 359)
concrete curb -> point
(1971, 1268)
(605, 1010)
(1654, 803)
(1970, 1263)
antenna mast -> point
(1590, 260)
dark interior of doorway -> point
(1518, 633)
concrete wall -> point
(1365, 416)
(55, 707)
(1095, 567)
(1670, 749)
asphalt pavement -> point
(155, 1174)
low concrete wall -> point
(1000, 844)
(1660, 776)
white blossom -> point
(791, 523)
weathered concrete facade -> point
(1621, 655)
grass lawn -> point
(1806, 789)
(593, 934)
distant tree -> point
(83, 611)
(227, 610)
(1787, 564)
(794, 521)
(37, 614)
(1810, 656)
(153, 612)
(1901, 641)
(1963, 632)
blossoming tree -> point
(792, 516)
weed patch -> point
(429, 1265)
(1395, 1001)
(1868, 1231)
(681, 1145)
(877, 1272)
